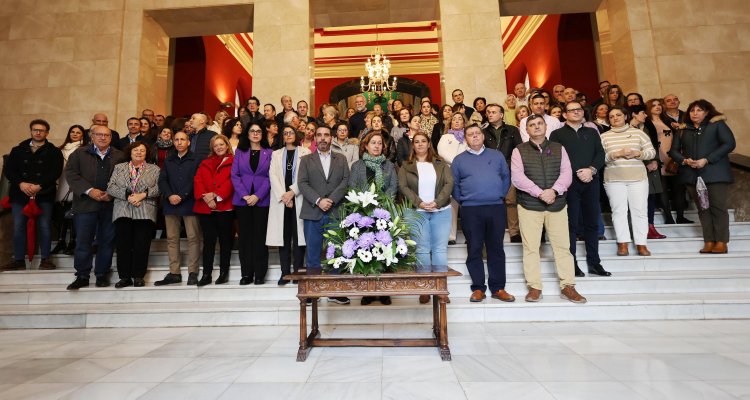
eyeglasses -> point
(255, 131)
(574, 110)
(289, 133)
(342, 130)
(102, 135)
(38, 130)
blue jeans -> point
(431, 234)
(314, 240)
(43, 230)
(89, 225)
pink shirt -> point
(524, 184)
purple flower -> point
(351, 219)
(400, 242)
(365, 222)
(381, 214)
(349, 247)
(330, 251)
(384, 237)
(366, 240)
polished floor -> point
(667, 360)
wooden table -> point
(316, 285)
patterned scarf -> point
(163, 144)
(135, 175)
(375, 163)
(458, 133)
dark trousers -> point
(484, 227)
(673, 195)
(133, 241)
(291, 248)
(583, 206)
(314, 240)
(715, 220)
(88, 225)
(253, 222)
(217, 225)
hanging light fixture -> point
(378, 68)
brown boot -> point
(502, 295)
(720, 248)
(622, 249)
(642, 250)
(14, 266)
(477, 296)
(47, 264)
(569, 293)
(708, 247)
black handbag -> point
(66, 205)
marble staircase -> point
(674, 283)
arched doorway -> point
(409, 92)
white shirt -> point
(475, 152)
(552, 124)
(427, 181)
(325, 159)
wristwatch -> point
(593, 170)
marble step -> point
(458, 251)
(671, 262)
(729, 281)
(407, 310)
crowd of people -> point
(543, 166)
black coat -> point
(125, 141)
(712, 141)
(200, 144)
(42, 167)
(177, 177)
(81, 173)
(508, 140)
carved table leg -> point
(445, 352)
(304, 350)
(435, 317)
(314, 332)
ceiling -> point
(204, 21)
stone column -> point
(282, 51)
(471, 50)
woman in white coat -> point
(286, 202)
(451, 144)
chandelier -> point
(378, 72)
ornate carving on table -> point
(319, 285)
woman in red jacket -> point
(213, 194)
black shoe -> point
(579, 273)
(310, 300)
(598, 270)
(602, 237)
(295, 282)
(339, 300)
(102, 281)
(516, 239)
(260, 282)
(283, 282)
(683, 220)
(169, 279)
(367, 300)
(223, 278)
(385, 300)
(78, 283)
(246, 280)
(451, 242)
(59, 247)
(205, 280)
(192, 279)
(123, 283)
(139, 282)
(668, 219)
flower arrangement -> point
(371, 235)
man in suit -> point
(323, 179)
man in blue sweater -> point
(481, 181)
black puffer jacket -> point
(712, 141)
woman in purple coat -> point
(252, 188)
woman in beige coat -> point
(286, 202)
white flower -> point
(402, 249)
(353, 196)
(390, 224)
(377, 252)
(364, 255)
(337, 263)
(354, 233)
(381, 224)
(368, 198)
